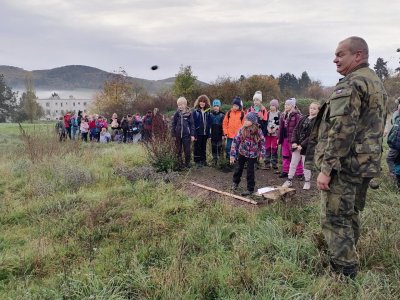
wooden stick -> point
(224, 193)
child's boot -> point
(288, 183)
(306, 185)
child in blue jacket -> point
(217, 132)
(202, 125)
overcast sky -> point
(217, 38)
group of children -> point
(131, 128)
(251, 136)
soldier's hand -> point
(323, 182)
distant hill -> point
(73, 77)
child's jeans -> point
(228, 148)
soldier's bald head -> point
(355, 44)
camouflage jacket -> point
(348, 133)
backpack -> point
(393, 139)
(241, 115)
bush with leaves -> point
(161, 152)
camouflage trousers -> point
(340, 217)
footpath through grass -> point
(72, 229)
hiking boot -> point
(234, 186)
(288, 183)
(300, 177)
(247, 193)
(347, 271)
(283, 175)
(306, 185)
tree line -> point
(120, 96)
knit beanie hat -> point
(216, 102)
(252, 117)
(275, 103)
(291, 101)
(237, 101)
(258, 96)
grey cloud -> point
(215, 37)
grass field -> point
(73, 229)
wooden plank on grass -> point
(279, 193)
(224, 193)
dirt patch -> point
(222, 180)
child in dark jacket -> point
(202, 124)
(287, 123)
(217, 133)
(248, 145)
(183, 130)
(397, 169)
(299, 144)
(147, 126)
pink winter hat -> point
(274, 102)
(291, 101)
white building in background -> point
(55, 106)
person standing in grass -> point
(271, 136)
(115, 125)
(288, 121)
(260, 109)
(147, 126)
(183, 131)
(397, 169)
(60, 129)
(202, 125)
(299, 142)
(393, 153)
(92, 128)
(84, 128)
(233, 121)
(67, 124)
(217, 118)
(74, 126)
(346, 147)
(247, 146)
(159, 126)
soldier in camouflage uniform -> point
(346, 148)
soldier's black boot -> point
(346, 271)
